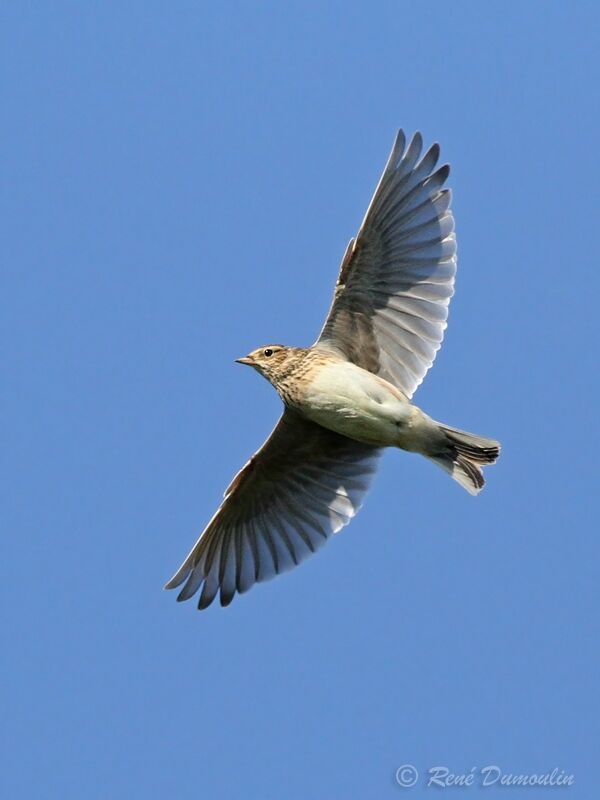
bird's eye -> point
(267, 352)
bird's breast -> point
(351, 401)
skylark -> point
(347, 396)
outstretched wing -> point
(303, 485)
(397, 277)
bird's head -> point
(271, 360)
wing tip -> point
(174, 582)
(226, 599)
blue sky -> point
(179, 182)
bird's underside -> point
(343, 395)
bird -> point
(349, 395)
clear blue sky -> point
(179, 182)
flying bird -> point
(348, 395)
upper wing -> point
(391, 300)
(304, 484)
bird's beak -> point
(245, 360)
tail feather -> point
(462, 455)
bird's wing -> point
(391, 299)
(303, 485)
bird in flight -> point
(348, 395)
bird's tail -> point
(463, 454)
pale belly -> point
(358, 404)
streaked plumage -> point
(347, 396)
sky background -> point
(179, 182)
